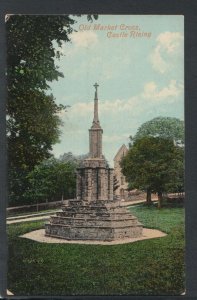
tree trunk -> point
(148, 197)
(160, 198)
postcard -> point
(95, 129)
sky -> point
(137, 62)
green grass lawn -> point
(147, 267)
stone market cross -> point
(94, 214)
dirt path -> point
(39, 236)
(29, 219)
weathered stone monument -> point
(94, 215)
(95, 178)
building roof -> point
(123, 149)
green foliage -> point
(37, 129)
(149, 267)
(165, 127)
(33, 123)
(32, 114)
(52, 180)
(154, 164)
(75, 159)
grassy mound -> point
(148, 267)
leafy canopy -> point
(51, 180)
(154, 164)
(33, 122)
(32, 114)
(165, 127)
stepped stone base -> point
(97, 220)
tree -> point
(30, 67)
(165, 127)
(52, 180)
(75, 159)
(33, 124)
(153, 164)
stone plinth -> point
(98, 220)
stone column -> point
(83, 184)
(95, 141)
(110, 183)
(94, 184)
(100, 184)
(89, 185)
(79, 184)
(103, 185)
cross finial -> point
(96, 86)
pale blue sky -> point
(139, 78)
